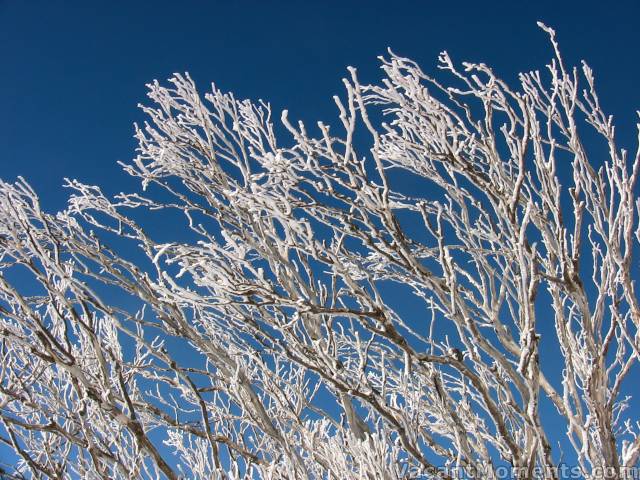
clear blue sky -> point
(72, 72)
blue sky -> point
(72, 72)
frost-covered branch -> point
(263, 333)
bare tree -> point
(262, 334)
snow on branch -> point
(306, 316)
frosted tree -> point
(263, 333)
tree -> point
(269, 336)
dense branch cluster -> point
(263, 333)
